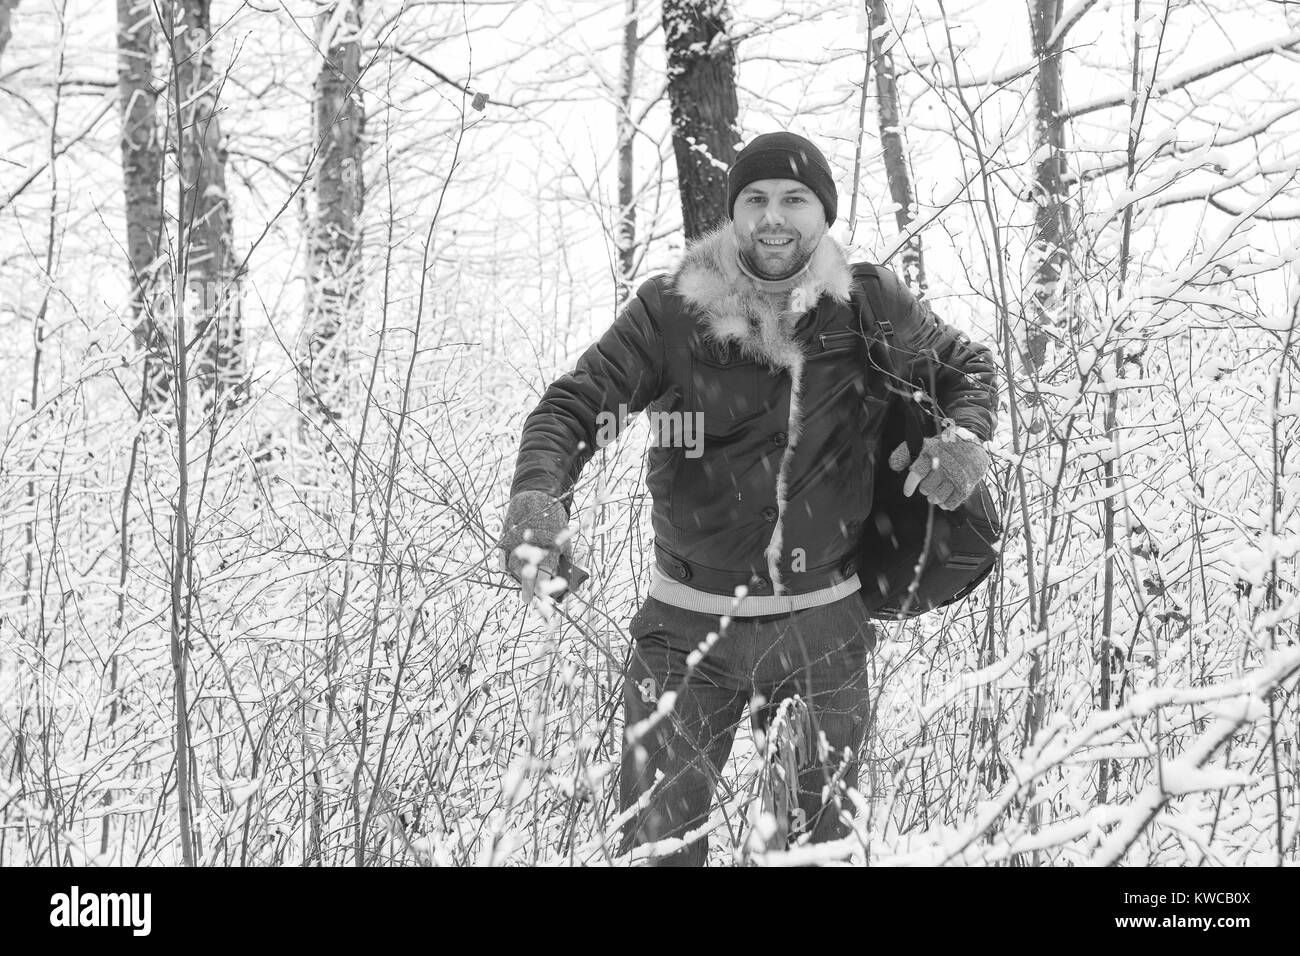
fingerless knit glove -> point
(534, 518)
(946, 471)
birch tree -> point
(205, 249)
(626, 229)
(338, 189)
(894, 149)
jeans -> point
(819, 653)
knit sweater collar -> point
(771, 285)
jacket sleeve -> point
(963, 373)
(623, 368)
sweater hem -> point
(665, 589)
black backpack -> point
(912, 556)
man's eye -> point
(797, 199)
(756, 198)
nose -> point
(772, 216)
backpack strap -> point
(866, 280)
(882, 347)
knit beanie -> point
(783, 156)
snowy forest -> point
(281, 279)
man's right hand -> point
(532, 567)
(535, 533)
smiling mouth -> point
(776, 243)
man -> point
(761, 338)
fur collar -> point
(732, 308)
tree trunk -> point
(206, 242)
(137, 38)
(6, 12)
(626, 235)
(1050, 248)
(702, 94)
(897, 168)
(338, 187)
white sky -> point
(525, 222)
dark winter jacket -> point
(791, 421)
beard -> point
(777, 263)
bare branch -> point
(1068, 19)
(1188, 77)
(105, 108)
(1176, 149)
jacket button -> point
(849, 567)
(679, 570)
(758, 584)
(769, 514)
(779, 439)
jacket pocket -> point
(838, 341)
(670, 434)
(725, 391)
(875, 413)
(874, 420)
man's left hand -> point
(947, 470)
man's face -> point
(778, 223)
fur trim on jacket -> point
(761, 324)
